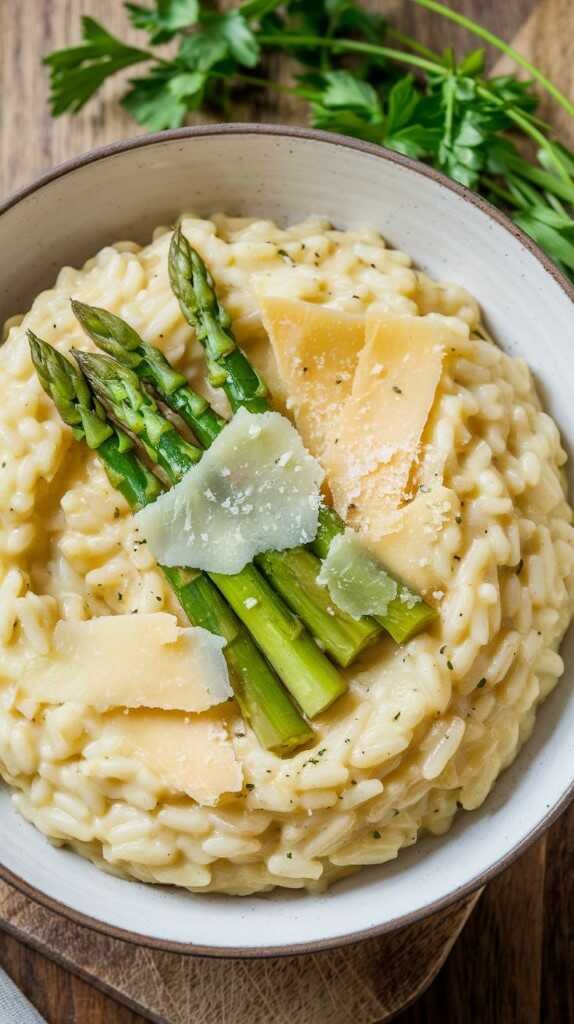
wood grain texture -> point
(364, 983)
(514, 961)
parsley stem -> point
(413, 44)
(529, 129)
(544, 179)
(489, 37)
(502, 193)
(286, 41)
(263, 83)
(528, 126)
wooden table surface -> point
(514, 962)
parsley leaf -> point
(258, 8)
(402, 102)
(78, 72)
(343, 91)
(348, 16)
(343, 103)
(153, 102)
(473, 63)
(189, 86)
(513, 91)
(416, 141)
(220, 37)
(450, 114)
(413, 122)
(166, 19)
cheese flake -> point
(256, 489)
(191, 755)
(369, 463)
(316, 351)
(354, 579)
(131, 661)
(412, 532)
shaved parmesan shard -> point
(368, 465)
(256, 489)
(316, 351)
(194, 755)
(406, 549)
(131, 661)
(354, 579)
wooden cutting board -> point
(364, 983)
(523, 924)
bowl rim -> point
(503, 862)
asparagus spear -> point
(263, 701)
(230, 369)
(293, 574)
(407, 614)
(302, 667)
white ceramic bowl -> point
(287, 174)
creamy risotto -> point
(425, 728)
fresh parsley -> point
(163, 21)
(360, 77)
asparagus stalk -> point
(263, 701)
(303, 668)
(114, 336)
(293, 574)
(407, 614)
(229, 368)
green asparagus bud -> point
(194, 288)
